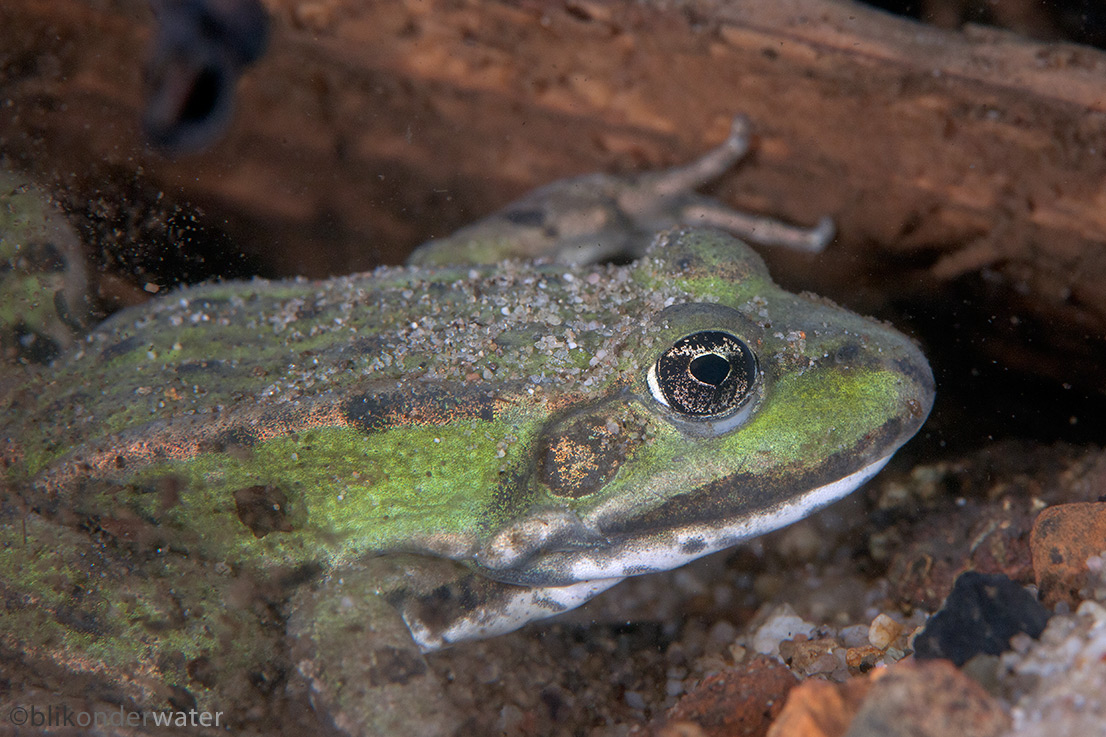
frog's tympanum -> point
(243, 486)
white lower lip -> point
(667, 551)
(520, 604)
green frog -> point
(248, 487)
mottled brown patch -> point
(436, 405)
(578, 455)
(263, 509)
(1063, 538)
(734, 702)
(202, 671)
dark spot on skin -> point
(520, 337)
(527, 218)
(42, 256)
(202, 671)
(440, 607)
(262, 509)
(846, 353)
(200, 367)
(692, 546)
(371, 346)
(169, 492)
(32, 346)
(369, 412)
(63, 308)
(228, 440)
(432, 406)
(120, 348)
(80, 620)
(915, 372)
(299, 575)
(181, 699)
(127, 527)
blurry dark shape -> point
(200, 49)
(1081, 21)
(981, 614)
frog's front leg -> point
(362, 670)
(358, 637)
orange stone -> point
(820, 709)
(741, 702)
(1063, 538)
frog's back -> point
(381, 407)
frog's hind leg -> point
(659, 198)
(680, 179)
(759, 229)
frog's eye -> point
(707, 375)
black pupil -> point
(710, 368)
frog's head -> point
(748, 409)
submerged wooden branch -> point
(971, 163)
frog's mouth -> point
(660, 548)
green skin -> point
(248, 479)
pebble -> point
(1064, 538)
(980, 615)
(737, 701)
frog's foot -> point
(759, 229)
(353, 652)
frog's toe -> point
(740, 131)
(361, 669)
